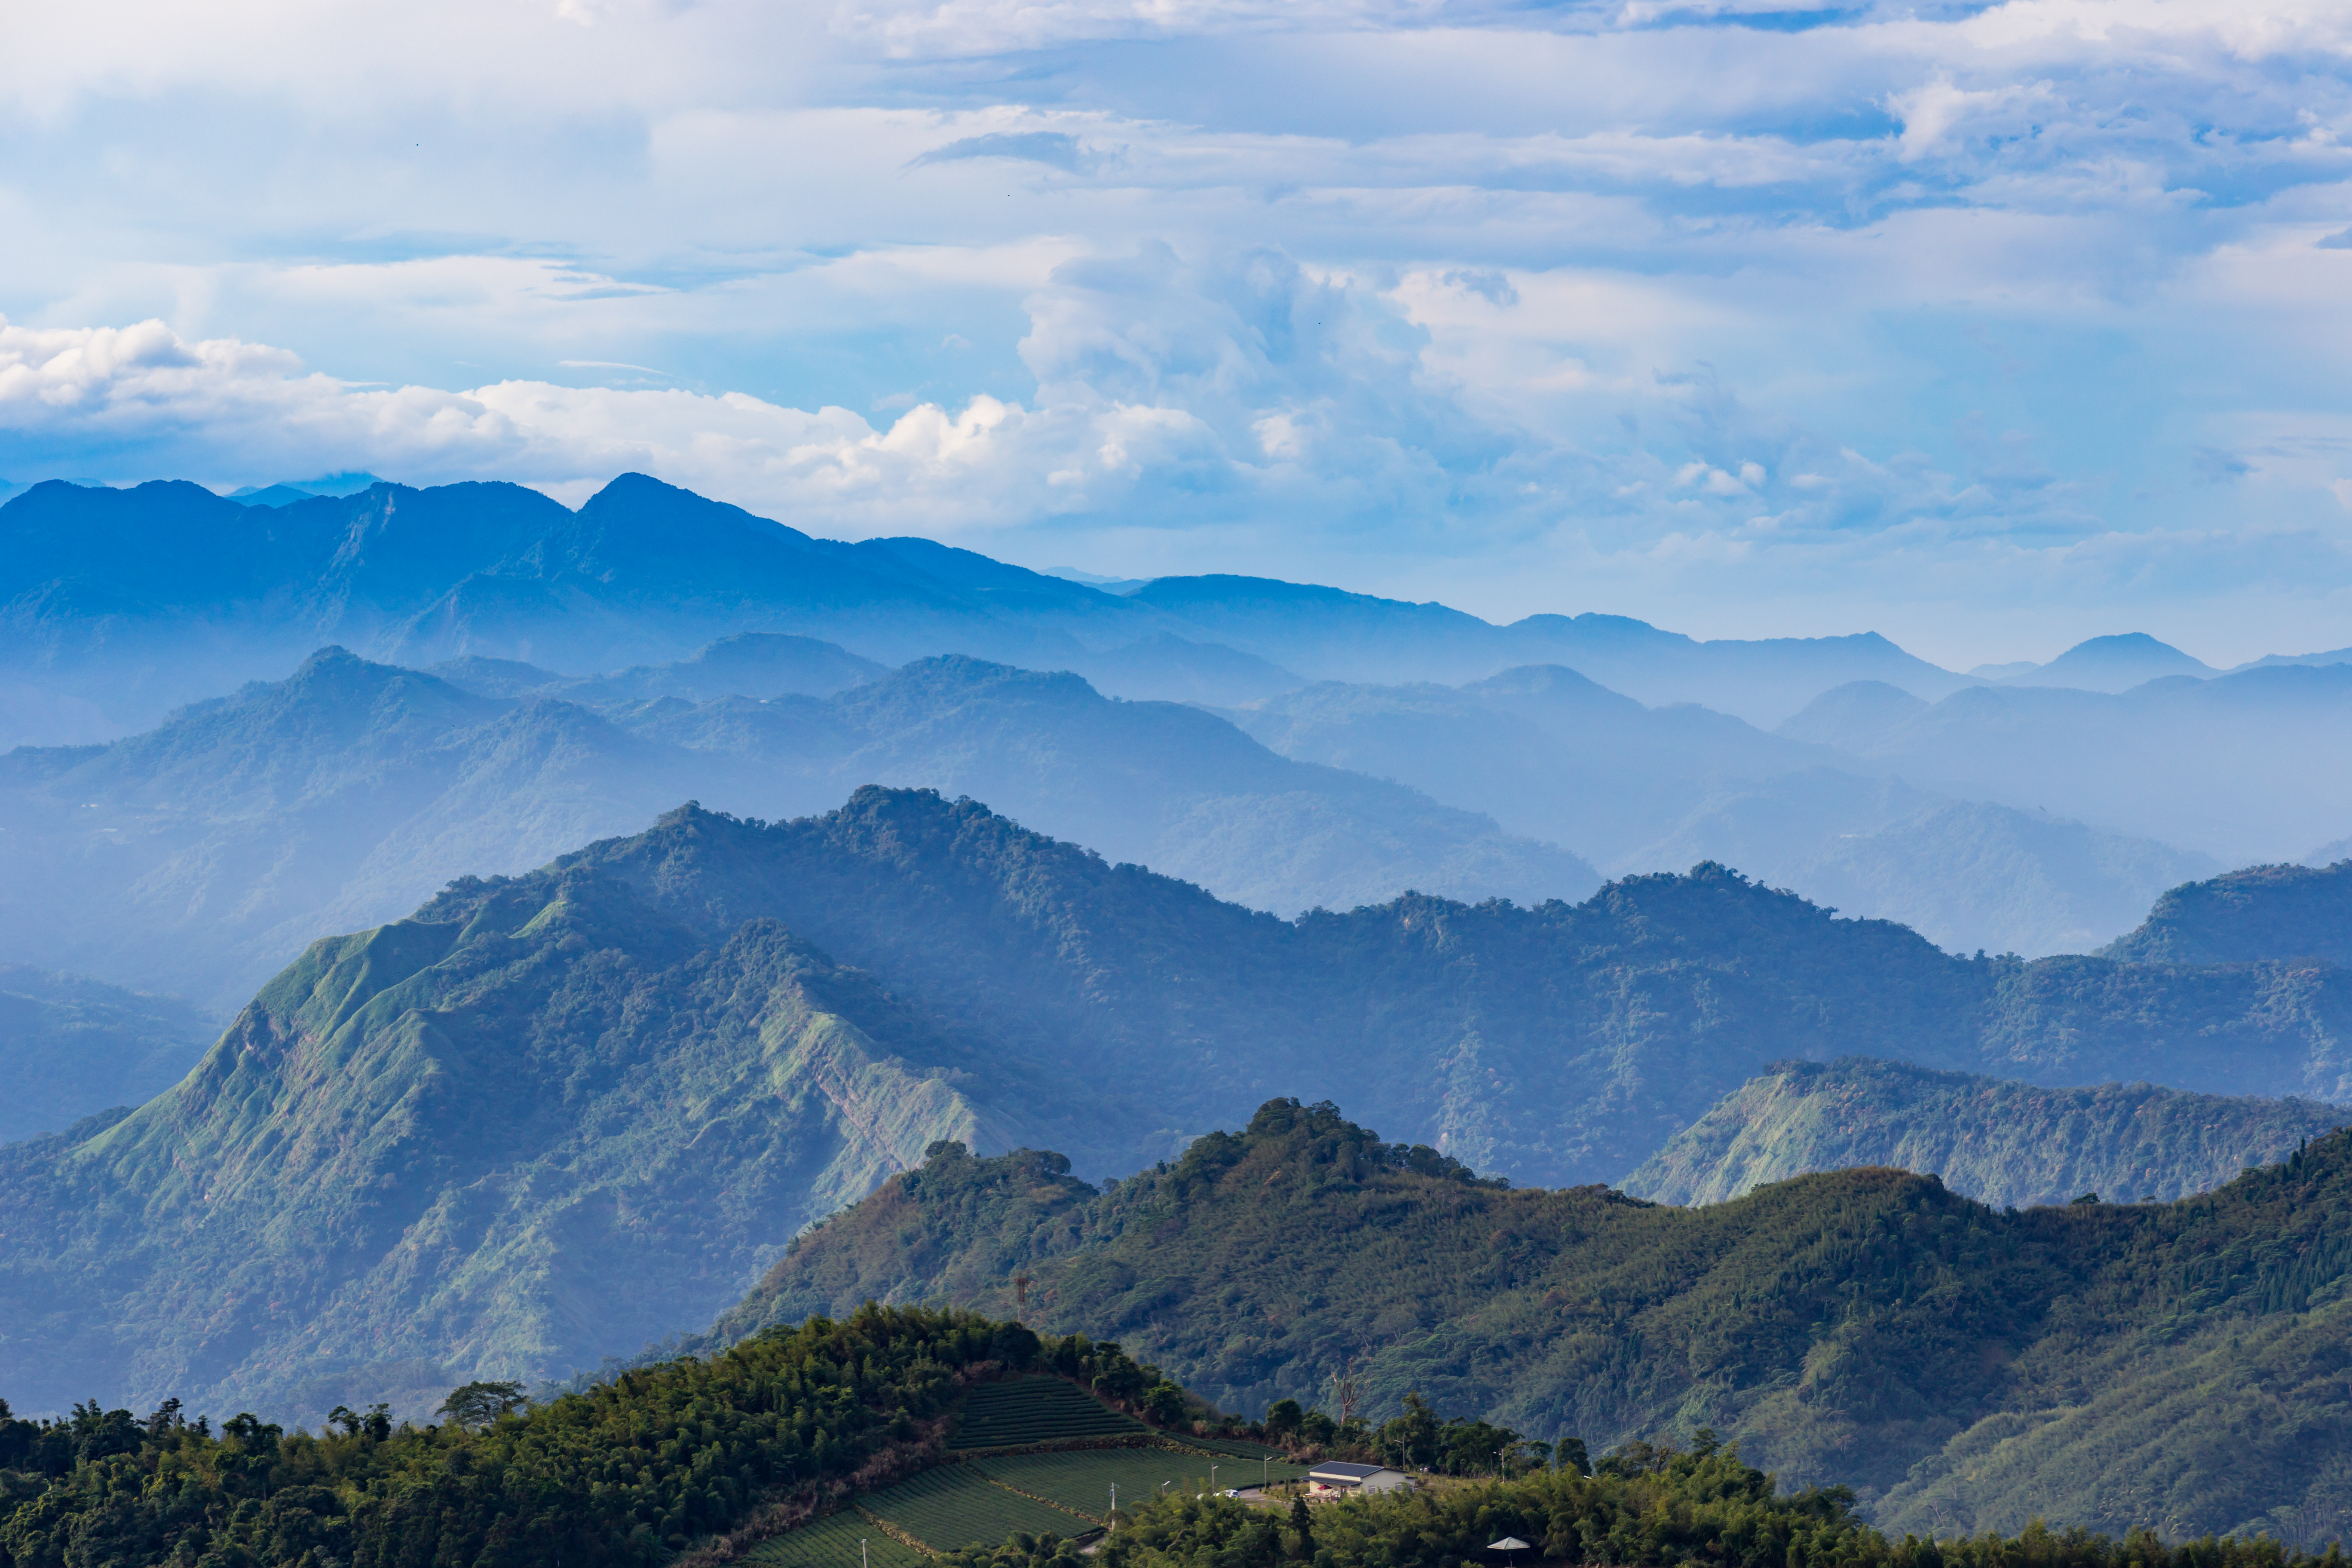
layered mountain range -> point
(2008, 811)
(422, 1153)
(200, 856)
(115, 606)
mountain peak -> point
(2115, 663)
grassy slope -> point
(1866, 1326)
(2000, 1143)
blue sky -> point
(1990, 328)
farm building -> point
(1337, 1478)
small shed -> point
(1337, 1478)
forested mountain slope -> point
(2002, 1143)
(70, 1046)
(537, 1123)
(2264, 912)
(200, 856)
(1560, 1042)
(2179, 1365)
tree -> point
(1282, 1419)
(481, 1403)
(1305, 1527)
(1164, 1404)
(1571, 1456)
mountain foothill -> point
(527, 941)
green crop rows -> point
(1242, 1450)
(1083, 1479)
(1035, 1410)
(832, 1542)
(954, 1507)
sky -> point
(1988, 328)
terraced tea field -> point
(1243, 1451)
(1083, 1479)
(955, 1506)
(1022, 1410)
(832, 1542)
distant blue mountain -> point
(303, 490)
(200, 855)
(134, 600)
(2111, 664)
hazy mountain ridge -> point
(1615, 1020)
(2000, 1143)
(1551, 754)
(2167, 759)
(1836, 1326)
(71, 1047)
(117, 605)
(202, 855)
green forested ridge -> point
(2005, 1144)
(780, 1426)
(2182, 1365)
(733, 1451)
(1700, 1506)
(421, 1152)
(2264, 912)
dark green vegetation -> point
(1644, 1508)
(2181, 1365)
(793, 1445)
(70, 1047)
(2002, 1143)
(625, 1473)
(2264, 912)
(201, 856)
(422, 1155)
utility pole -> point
(1020, 1297)
(861, 1553)
(1113, 1521)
